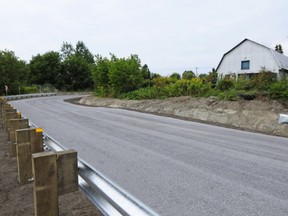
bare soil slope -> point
(254, 115)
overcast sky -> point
(168, 35)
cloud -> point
(167, 35)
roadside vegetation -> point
(75, 68)
(146, 85)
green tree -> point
(146, 72)
(82, 51)
(203, 76)
(13, 72)
(175, 75)
(125, 74)
(188, 75)
(67, 50)
(76, 74)
(45, 69)
(212, 77)
(76, 67)
(155, 75)
(100, 75)
(279, 49)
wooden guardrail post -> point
(13, 125)
(7, 115)
(36, 138)
(45, 184)
(32, 135)
(28, 141)
(4, 107)
(55, 174)
(24, 162)
(2, 103)
(67, 171)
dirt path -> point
(17, 199)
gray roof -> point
(281, 59)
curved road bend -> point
(176, 167)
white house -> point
(249, 57)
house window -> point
(245, 65)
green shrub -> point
(162, 81)
(180, 88)
(195, 86)
(225, 84)
(29, 89)
(188, 75)
(227, 89)
(230, 95)
(243, 84)
(279, 90)
(207, 90)
(103, 91)
(146, 93)
(263, 80)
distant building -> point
(249, 57)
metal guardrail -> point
(25, 96)
(110, 198)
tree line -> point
(75, 68)
(70, 69)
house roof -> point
(281, 59)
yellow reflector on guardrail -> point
(19, 115)
(39, 130)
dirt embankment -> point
(255, 115)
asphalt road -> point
(176, 167)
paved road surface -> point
(174, 166)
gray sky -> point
(169, 36)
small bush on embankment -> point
(231, 90)
(29, 89)
(168, 87)
(279, 90)
(263, 84)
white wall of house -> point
(258, 56)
